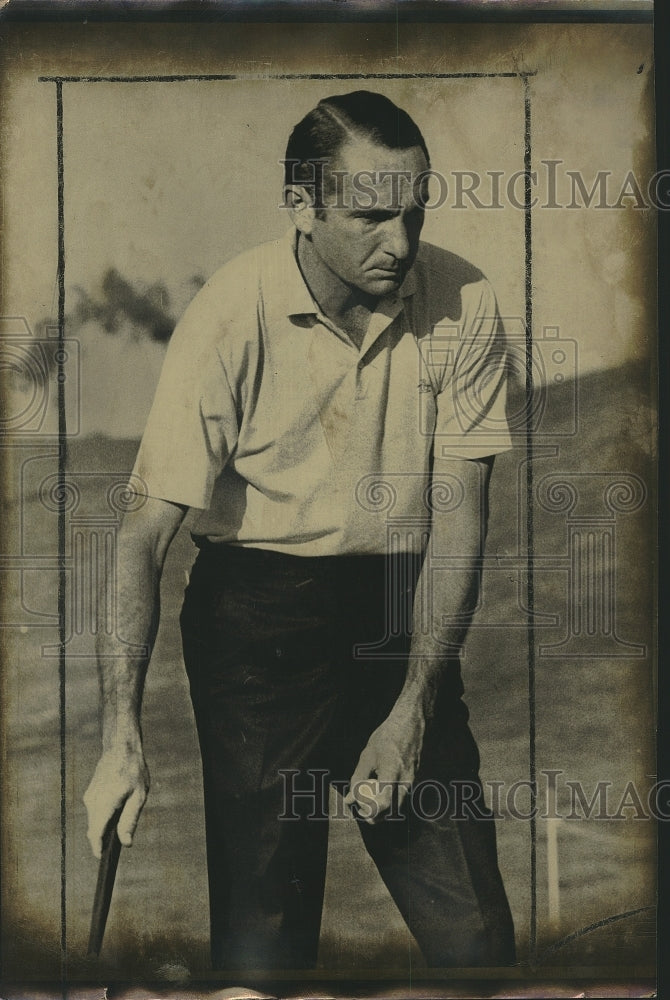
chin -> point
(382, 286)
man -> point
(308, 410)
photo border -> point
(409, 12)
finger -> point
(379, 801)
(364, 797)
(368, 801)
(96, 843)
(390, 795)
(98, 818)
(363, 772)
(385, 796)
(130, 817)
(364, 804)
(96, 830)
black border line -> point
(529, 390)
(318, 11)
(205, 77)
(530, 531)
(662, 386)
(62, 497)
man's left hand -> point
(388, 764)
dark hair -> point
(317, 139)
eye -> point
(375, 217)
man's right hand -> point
(120, 777)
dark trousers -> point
(285, 698)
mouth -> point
(389, 274)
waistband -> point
(219, 555)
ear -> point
(300, 206)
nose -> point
(397, 239)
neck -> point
(335, 298)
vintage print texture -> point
(138, 161)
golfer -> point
(329, 409)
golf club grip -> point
(109, 859)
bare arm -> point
(393, 751)
(121, 775)
(453, 595)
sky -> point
(164, 182)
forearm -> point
(123, 657)
(121, 778)
(447, 594)
(134, 587)
(443, 610)
(443, 606)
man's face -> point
(368, 235)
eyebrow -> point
(382, 213)
(378, 213)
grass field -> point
(594, 722)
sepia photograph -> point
(329, 364)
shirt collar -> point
(298, 300)
(297, 297)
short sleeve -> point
(471, 404)
(192, 426)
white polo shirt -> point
(284, 435)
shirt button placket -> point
(361, 380)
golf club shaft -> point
(109, 859)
